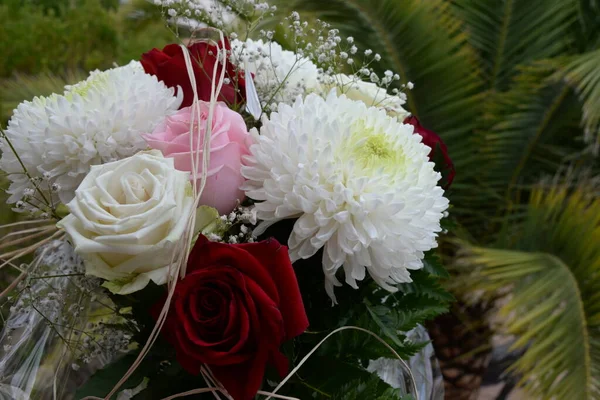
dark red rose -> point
(169, 67)
(235, 307)
(438, 153)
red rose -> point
(436, 143)
(235, 307)
(169, 67)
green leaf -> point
(372, 388)
(427, 286)
(101, 383)
(379, 312)
(315, 378)
(207, 220)
(432, 264)
(402, 315)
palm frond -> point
(587, 31)
(533, 131)
(583, 73)
(509, 33)
(425, 44)
(549, 271)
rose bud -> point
(169, 67)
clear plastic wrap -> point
(423, 365)
(49, 344)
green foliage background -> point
(47, 43)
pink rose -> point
(229, 142)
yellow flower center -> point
(372, 149)
(84, 87)
(377, 147)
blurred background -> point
(512, 87)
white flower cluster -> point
(221, 14)
(236, 227)
(359, 182)
(58, 138)
(369, 93)
(317, 64)
(279, 75)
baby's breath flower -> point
(279, 75)
(213, 237)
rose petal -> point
(152, 59)
(229, 143)
(242, 381)
(222, 349)
(274, 256)
(436, 144)
(209, 253)
(222, 191)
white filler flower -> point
(127, 217)
(359, 182)
(98, 120)
(279, 75)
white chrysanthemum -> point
(369, 93)
(279, 75)
(98, 120)
(359, 182)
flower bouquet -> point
(224, 218)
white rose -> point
(369, 93)
(126, 218)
